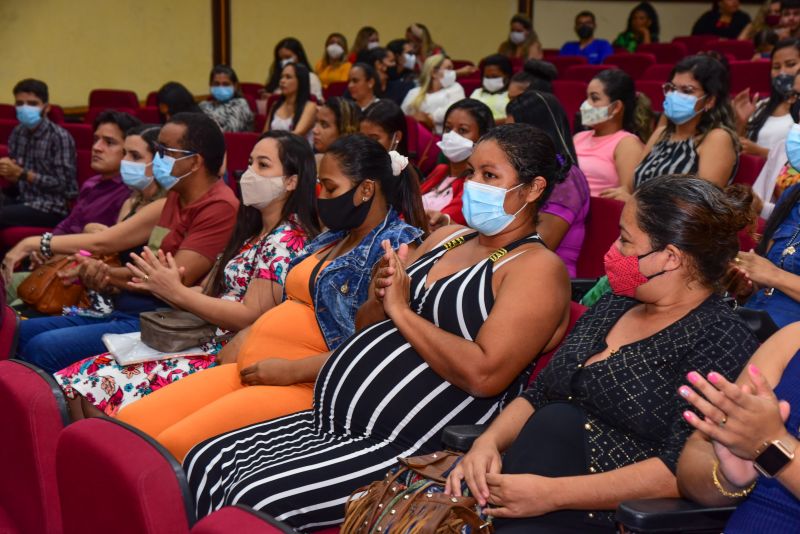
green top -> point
(627, 40)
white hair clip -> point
(399, 162)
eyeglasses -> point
(162, 150)
(685, 89)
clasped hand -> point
(158, 274)
(392, 284)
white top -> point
(764, 185)
(774, 131)
(315, 86)
(435, 104)
(288, 125)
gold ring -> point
(724, 420)
(737, 260)
(146, 278)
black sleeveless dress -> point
(375, 399)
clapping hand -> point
(158, 274)
(392, 284)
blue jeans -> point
(53, 343)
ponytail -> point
(403, 193)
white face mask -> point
(448, 78)
(517, 37)
(286, 61)
(372, 45)
(591, 115)
(260, 191)
(455, 147)
(493, 85)
(335, 50)
(409, 61)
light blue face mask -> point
(162, 170)
(222, 93)
(29, 116)
(793, 146)
(134, 174)
(679, 107)
(483, 207)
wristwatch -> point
(772, 457)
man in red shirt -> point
(195, 226)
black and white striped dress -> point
(375, 399)
(668, 157)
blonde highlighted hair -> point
(426, 79)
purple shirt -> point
(570, 201)
(99, 201)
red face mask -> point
(623, 272)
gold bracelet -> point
(730, 494)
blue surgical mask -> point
(222, 93)
(134, 174)
(679, 107)
(483, 207)
(29, 116)
(793, 146)
(162, 170)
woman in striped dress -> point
(451, 340)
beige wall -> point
(467, 29)
(554, 19)
(78, 45)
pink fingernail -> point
(693, 377)
(684, 391)
(689, 416)
(713, 377)
(754, 369)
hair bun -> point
(743, 205)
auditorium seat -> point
(634, 64)
(754, 75)
(8, 112)
(562, 63)
(152, 99)
(34, 413)
(82, 134)
(6, 127)
(659, 72)
(459, 63)
(56, 114)
(136, 485)
(422, 148)
(251, 89)
(149, 115)
(241, 520)
(575, 312)
(334, 89)
(113, 98)
(654, 91)
(470, 83)
(9, 324)
(238, 146)
(11, 236)
(602, 229)
(549, 53)
(749, 168)
(95, 111)
(695, 43)
(571, 95)
(584, 73)
(669, 53)
(740, 49)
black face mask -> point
(341, 213)
(392, 73)
(585, 31)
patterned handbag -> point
(411, 500)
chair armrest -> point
(459, 438)
(581, 286)
(671, 515)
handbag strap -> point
(312, 280)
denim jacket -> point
(343, 286)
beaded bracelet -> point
(730, 494)
(44, 245)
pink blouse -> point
(596, 159)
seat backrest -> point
(149, 115)
(575, 312)
(659, 73)
(56, 114)
(113, 98)
(633, 64)
(251, 88)
(470, 83)
(238, 146)
(654, 91)
(695, 43)
(242, 519)
(9, 330)
(562, 63)
(740, 49)
(602, 229)
(754, 75)
(143, 486)
(669, 53)
(459, 63)
(81, 133)
(334, 89)
(8, 111)
(570, 94)
(83, 162)
(749, 168)
(584, 73)
(6, 127)
(34, 413)
(152, 99)
(93, 112)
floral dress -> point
(110, 387)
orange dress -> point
(214, 401)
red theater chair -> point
(602, 229)
(562, 63)
(113, 98)
(584, 73)
(34, 413)
(740, 49)
(669, 53)
(634, 64)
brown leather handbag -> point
(172, 331)
(44, 291)
(410, 500)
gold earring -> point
(364, 199)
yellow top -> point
(331, 74)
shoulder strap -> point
(312, 280)
(500, 252)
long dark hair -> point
(775, 98)
(303, 93)
(651, 13)
(362, 158)
(388, 115)
(177, 98)
(289, 43)
(297, 158)
(370, 74)
(786, 203)
(544, 111)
